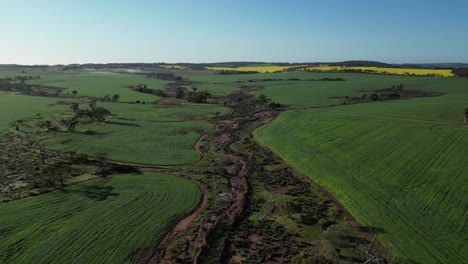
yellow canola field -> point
(396, 71)
(325, 68)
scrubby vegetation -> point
(397, 161)
(460, 72)
(113, 135)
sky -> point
(108, 31)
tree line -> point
(194, 96)
(460, 72)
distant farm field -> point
(309, 90)
(383, 70)
(174, 66)
(260, 68)
(326, 68)
(149, 134)
(407, 177)
(104, 221)
(100, 84)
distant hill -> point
(195, 66)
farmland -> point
(260, 68)
(326, 68)
(309, 91)
(397, 166)
(14, 107)
(234, 132)
(99, 84)
(94, 222)
(174, 66)
(139, 133)
(383, 70)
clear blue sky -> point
(81, 31)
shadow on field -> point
(92, 133)
(124, 124)
(94, 192)
(372, 230)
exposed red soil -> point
(255, 238)
(198, 144)
(161, 252)
(223, 138)
(263, 114)
(237, 258)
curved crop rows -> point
(407, 179)
(98, 222)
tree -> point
(43, 154)
(58, 171)
(47, 124)
(75, 107)
(74, 92)
(70, 124)
(92, 105)
(263, 100)
(116, 97)
(159, 92)
(101, 158)
(198, 97)
(100, 113)
(180, 92)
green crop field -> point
(400, 166)
(104, 221)
(149, 134)
(90, 83)
(304, 93)
(99, 84)
(14, 106)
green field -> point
(400, 165)
(140, 133)
(104, 221)
(99, 84)
(14, 106)
(149, 134)
(304, 94)
(91, 83)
